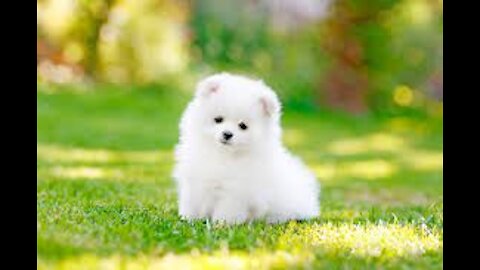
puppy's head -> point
(237, 113)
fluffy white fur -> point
(252, 175)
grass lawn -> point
(105, 198)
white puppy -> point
(231, 165)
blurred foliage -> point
(376, 55)
(112, 41)
(242, 39)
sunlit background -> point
(351, 55)
(362, 87)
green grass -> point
(105, 197)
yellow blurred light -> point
(55, 153)
(295, 247)
(401, 124)
(370, 169)
(419, 12)
(119, 15)
(424, 160)
(385, 142)
(223, 259)
(73, 52)
(382, 142)
(366, 169)
(348, 147)
(83, 172)
(403, 95)
(156, 37)
(57, 15)
(324, 172)
(362, 240)
(70, 163)
(293, 137)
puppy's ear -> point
(270, 105)
(208, 86)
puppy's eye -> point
(218, 119)
(242, 126)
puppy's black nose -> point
(227, 135)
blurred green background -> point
(355, 56)
(361, 84)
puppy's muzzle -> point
(227, 135)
